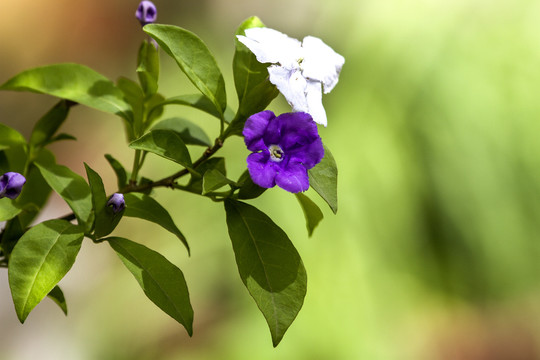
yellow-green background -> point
(435, 251)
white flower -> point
(300, 70)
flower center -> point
(276, 153)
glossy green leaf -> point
(194, 59)
(165, 143)
(41, 258)
(195, 184)
(213, 180)
(47, 126)
(248, 189)
(145, 207)
(190, 133)
(253, 88)
(196, 101)
(148, 69)
(10, 137)
(72, 82)
(119, 170)
(161, 280)
(323, 179)
(71, 187)
(105, 218)
(8, 209)
(269, 265)
(57, 295)
(312, 212)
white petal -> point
(291, 84)
(314, 102)
(272, 46)
(321, 62)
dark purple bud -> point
(117, 202)
(146, 12)
(11, 184)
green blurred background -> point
(434, 252)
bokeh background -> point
(435, 250)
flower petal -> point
(255, 128)
(262, 170)
(314, 102)
(293, 130)
(291, 84)
(272, 46)
(293, 178)
(321, 62)
(309, 155)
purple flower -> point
(284, 149)
(146, 12)
(116, 201)
(11, 184)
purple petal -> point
(292, 130)
(255, 128)
(293, 177)
(117, 202)
(11, 184)
(309, 155)
(146, 12)
(262, 170)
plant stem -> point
(136, 166)
(169, 181)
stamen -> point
(276, 153)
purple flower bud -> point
(117, 202)
(11, 184)
(146, 12)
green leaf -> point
(71, 187)
(214, 179)
(121, 175)
(196, 101)
(161, 280)
(134, 96)
(72, 82)
(57, 295)
(36, 191)
(254, 89)
(196, 182)
(106, 219)
(41, 258)
(194, 59)
(269, 265)
(323, 179)
(8, 209)
(148, 69)
(165, 143)
(312, 213)
(47, 126)
(60, 137)
(13, 159)
(11, 235)
(248, 189)
(145, 207)
(190, 133)
(10, 137)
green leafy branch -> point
(38, 256)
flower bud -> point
(117, 203)
(11, 184)
(146, 12)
